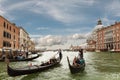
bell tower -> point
(99, 22)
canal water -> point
(99, 66)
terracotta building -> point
(9, 34)
(108, 38)
(100, 40)
(92, 39)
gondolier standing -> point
(60, 53)
(80, 54)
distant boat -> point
(97, 50)
(33, 68)
(24, 59)
(75, 69)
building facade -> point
(92, 39)
(108, 38)
(100, 40)
(31, 45)
(24, 39)
(75, 48)
(9, 34)
(13, 37)
(91, 45)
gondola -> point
(75, 69)
(32, 69)
(24, 59)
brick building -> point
(108, 38)
(9, 34)
(13, 37)
(92, 39)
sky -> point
(60, 23)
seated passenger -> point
(81, 61)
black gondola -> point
(33, 68)
(75, 69)
(24, 59)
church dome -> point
(98, 26)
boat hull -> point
(32, 69)
(15, 72)
(75, 69)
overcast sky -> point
(60, 22)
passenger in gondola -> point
(75, 61)
(79, 59)
(20, 56)
(52, 60)
(42, 64)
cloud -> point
(51, 40)
(65, 11)
(62, 10)
(2, 12)
(23, 5)
(35, 36)
(114, 8)
(55, 9)
(78, 36)
(72, 30)
(107, 21)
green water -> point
(99, 66)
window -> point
(10, 28)
(7, 26)
(6, 35)
(4, 24)
(14, 30)
(14, 45)
(6, 44)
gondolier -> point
(78, 63)
(80, 54)
(60, 53)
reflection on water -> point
(99, 66)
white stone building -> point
(24, 39)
